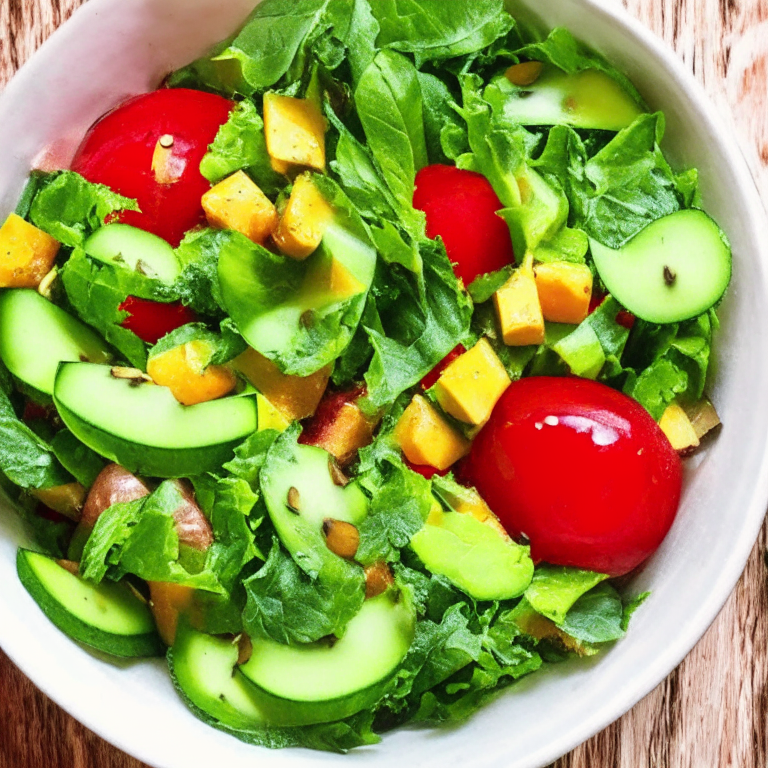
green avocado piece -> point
(589, 99)
(675, 269)
(476, 556)
(301, 491)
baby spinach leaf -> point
(555, 589)
(596, 617)
(77, 458)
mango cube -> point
(185, 371)
(469, 388)
(295, 131)
(237, 203)
(426, 439)
(26, 253)
(565, 291)
(676, 425)
(518, 308)
(304, 220)
(296, 397)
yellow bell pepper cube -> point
(295, 131)
(304, 220)
(426, 439)
(679, 430)
(26, 253)
(565, 291)
(469, 388)
(185, 371)
(518, 308)
(296, 397)
(237, 203)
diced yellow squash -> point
(168, 602)
(295, 131)
(469, 388)
(26, 253)
(278, 166)
(565, 291)
(525, 73)
(237, 203)
(296, 397)
(304, 220)
(426, 439)
(676, 425)
(185, 371)
(703, 417)
(518, 308)
(67, 500)
(269, 416)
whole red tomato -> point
(118, 151)
(461, 208)
(579, 469)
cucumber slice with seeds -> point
(107, 617)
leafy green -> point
(483, 287)
(389, 104)
(596, 617)
(240, 145)
(442, 122)
(251, 455)
(69, 208)
(198, 284)
(290, 607)
(223, 347)
(434, 30)
(96, 290)
(555, 589)
(76, 457)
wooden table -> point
(711, 712)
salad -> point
(352, 369)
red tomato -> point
(425, 470)
(431, 378)
(579, 469)
(119, 149)
(151, 320)
(461, 208)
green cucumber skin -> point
(633, 283)
(123, 646)
(33, 329)
(148, 460)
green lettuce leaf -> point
(77, 458)
(555, 589)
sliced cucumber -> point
(144, 428)
(300, 493)
(204, 671)
(276, 302)
(36, 335)
(328, 681)
(477, 557)
(676, 268)
(106, 616)
(588, 99)
(134, 249)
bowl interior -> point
(111, 50)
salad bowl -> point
(112, 50)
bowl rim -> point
(698, 622)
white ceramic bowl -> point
(114, 48)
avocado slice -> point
(304, 490)
(335, 678)
(475, 555)
(134, 249)
(142, 427)
(282, 306)
(107, 617)
(588, 99)
(675, 269)
(36, 335)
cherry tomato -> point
(431, 378)
(151, 320)
(425, 470)
(118, 151)
(461, 208)
(580, 470)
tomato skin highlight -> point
(579, 469)
(118, 152)
(461, 208)
(151, 320)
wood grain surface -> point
(712, 711)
